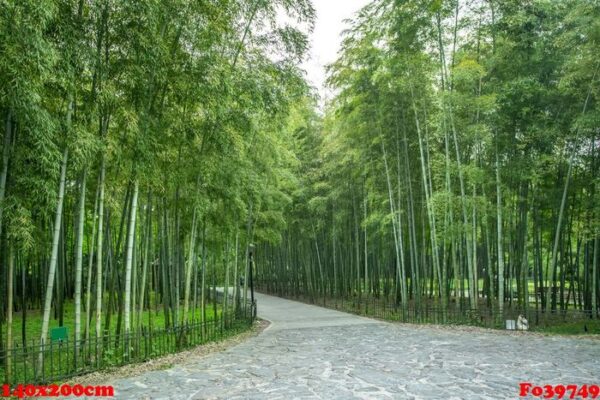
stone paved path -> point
(314, 353)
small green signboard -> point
(58, 334)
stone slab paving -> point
(310, 352)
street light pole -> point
(251, 277)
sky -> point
(326, 38)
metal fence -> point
(59, 360)
(454, 314)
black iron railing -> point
(454, 314)
(55, 361)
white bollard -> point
(510, 324)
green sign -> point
(58, 334)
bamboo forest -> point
(164, 159)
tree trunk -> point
(366, 249)
(146, 255)
(5, 157)
(188, 269)
(500, 238)
(128, 262)
(53, 258)
(595, 303)
(398, 245)
(99, 250)
(9, 313)
(79, 262)
(429, 207)
(91, 254)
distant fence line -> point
(433, 314)
(60, 360)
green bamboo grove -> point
(457, 165)
(142, 151)
(146, 145)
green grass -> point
(571, 328)
(552, 323)
(33, 327)
(59, 363)
(59, 358)
(530, 284)
(481, 283)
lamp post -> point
(251, 278)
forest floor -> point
(313, 352)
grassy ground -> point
(33, 327)
(571, 323)
(572, 328)
(60, 361)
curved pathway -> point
(310, 352)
